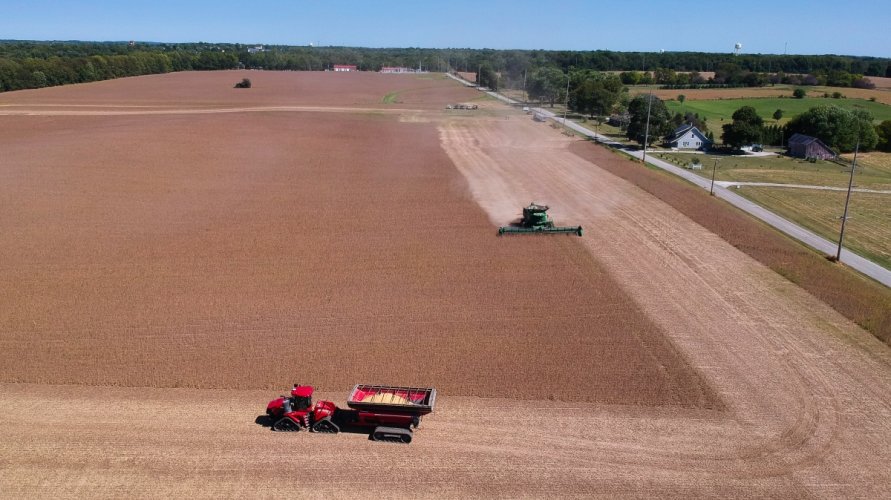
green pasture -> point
(720, 111)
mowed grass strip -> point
(867, 233)
(856, 297)
(873, 170)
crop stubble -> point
(258, 249)
(803, 392)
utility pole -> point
(844, 217)
(647, 130)
(567, 100)
(711, 189)
(525, 93)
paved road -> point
(728, 184)
(865, 266)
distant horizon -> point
(794, 27)
(165, 42)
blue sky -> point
(768, 27)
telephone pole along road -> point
(863, 265)
(801, 234)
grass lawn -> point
(719, 111)
(868, 232)
(614, 133)
(873, 170)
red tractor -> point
(388, 413)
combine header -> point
(535, 220)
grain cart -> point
(535, 220)
(386, 412)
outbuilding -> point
(805, 146)
(345, 67)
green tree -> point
(692, 118)
(745, 129)
(778, 114)
(488, 77)
(883, 132)
(659, 118)
(631, 77)
(665, 76)
(837, 127)
(546, 84)
(595, 93)
(799, 93)
(38, 79)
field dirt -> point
(254, 250)
(214, 89)
(238, 250)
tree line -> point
(27, 64)
(578, 77)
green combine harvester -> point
(535, 220)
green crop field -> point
(719, 111)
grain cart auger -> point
(535, 220)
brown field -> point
(278, 90)
(295, 239)
(881, 82)
(859, 298)
(240, 250)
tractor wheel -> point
(326, 425)
(286, 425)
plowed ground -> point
(255, 249)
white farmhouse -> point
(688, 137)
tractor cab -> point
(301, 397)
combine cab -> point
(535, 220)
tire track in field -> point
(108, 110)
(751, 333)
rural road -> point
(865, 266)
(729, 184)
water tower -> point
(736, 48)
